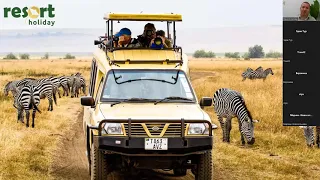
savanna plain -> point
(33, 153)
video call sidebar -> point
(301, 55)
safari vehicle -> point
(142, 112)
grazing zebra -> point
(56, 84)
(309, 135)
(64, 84)
(28, 97)
(82, 82)
(12, 86)
(228, 104)
(46, 89)
(76, 86)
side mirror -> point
(87, 101)
(96, 42)
(206, 101)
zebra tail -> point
(34, 105)
(54, 96)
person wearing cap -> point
(148, 34)
(125, 39)
(305, 12)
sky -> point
(217, 25)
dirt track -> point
(71, 161)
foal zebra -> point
(46, 89)
(28, 97)
(228, 104)
(309, 135)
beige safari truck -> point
(141, 111)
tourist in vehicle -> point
(123, 38)
(166, 42)
(149, 33)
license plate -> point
(156, 144)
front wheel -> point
(204, 168)
(99, 166)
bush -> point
(10, 56)
(246, 56)
(273, 54)
(69, 56)
(46, 56)
(24, 56)
(203, 54)
(232, 55)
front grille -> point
(155, 129)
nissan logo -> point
(155, 128)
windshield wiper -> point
(129, 100)
(131, 80)
(173, 98)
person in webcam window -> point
(305, 12)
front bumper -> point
(134, 146)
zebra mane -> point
(249, 113)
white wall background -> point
(291, 8)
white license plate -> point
(156, 144)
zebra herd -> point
(259, 73)
(27, 92)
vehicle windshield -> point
(146, 84)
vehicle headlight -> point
(113, 128)
(201, 128)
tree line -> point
(253, 52)
(27, 56)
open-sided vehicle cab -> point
(141, 110)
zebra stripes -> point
(46, 89)
(259, 73)
(308, 132)
(12, 86)
(77, 82)
(28, 97)
(228, 104)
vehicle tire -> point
(99, 166)
(180, 171)
(205, 166)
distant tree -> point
(232, 55)
(10, 56)
(69, 56)
(210, 54)
(203, 54)
(46, 56)
(24, 56)
(273, 54)
(256, 51)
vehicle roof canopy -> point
(143, 17)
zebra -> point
(228, 104)
(247, 74)
(46, 89)
(64, 84)
(28, 97)
(82, 82)
(309, 135)
(75, 87)
(258, 74)
(12, 86)
(56, 84)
